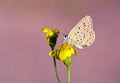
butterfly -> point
(82, 34)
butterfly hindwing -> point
(82, 34)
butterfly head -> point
(65, 38)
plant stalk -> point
(68, 74)
(56, 70)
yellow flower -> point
(51, 36)
(63, 52)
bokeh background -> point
(24, 49)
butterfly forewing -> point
(82, 34)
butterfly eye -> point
(65, 36)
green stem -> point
(56, 71)
(67, 63)
(68, 74)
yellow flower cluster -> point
(51, 36)
(63, 52)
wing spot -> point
(84, 24)
(84, 36)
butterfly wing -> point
(82, 34)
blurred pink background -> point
(24, 51)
